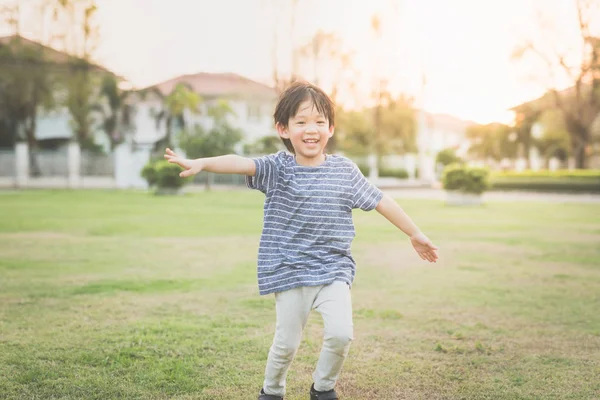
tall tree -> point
(174, 106)
(75, 31)
(116, 110)
(220, 139)
(580, 104)
(27, 84)
(491, 142)
(397, 128)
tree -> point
(219, 140)
(331, 66)
(580, 104)
(554, 141)
(355, 131)
(491, 141)
(397, 128)
(75, 31)
(181, 99)
(27, 85)
(264, 145)
(116, 111)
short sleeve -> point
(365, 195)
(267, 168)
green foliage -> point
(174, 105)
(357, 133)
(116, 120)
(555, 140)
(364, 169)
(264, 145)
(24, 91)
(399, 173)
(447, 157)
(220, 139)
(163, 175)
(82, 87)
(462, 178)
(354, 132)
(561, 173)
(575, 181)
(492, 141)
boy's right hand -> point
(191, 167)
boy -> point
(304, 254)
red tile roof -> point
(51, 55)
(218, 85)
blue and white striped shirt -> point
(308, 228)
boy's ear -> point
(331, 129)
(282, 130)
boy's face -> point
(309, 132)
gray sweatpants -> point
(293, 307)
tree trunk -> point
(580, 156)
(579, 141)
(34, 167)
(209, 179)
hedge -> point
(566, 181)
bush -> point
(399, 173)
(365, 169)
(461, 178)
(163, 175)
(447, 157)
(561, 173)
(565, 181)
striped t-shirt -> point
(308, 226)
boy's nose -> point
(311, 128)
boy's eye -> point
(320, 122)
(300, 122)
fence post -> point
(74, 165)
(22, 163)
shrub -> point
(163, 175)
(365, 169)
(447, 157)
(461, 178)
(565, 181)
(399, 173)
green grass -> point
(127, 295)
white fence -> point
(64, 168)
(71, 167)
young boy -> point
(304, 254)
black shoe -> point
(328, 395)
(263, 396)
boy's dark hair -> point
(290, 100)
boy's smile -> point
(309, 132)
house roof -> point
(52, 55)
(218, 85)
(447, 122)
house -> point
(53, 126)
(252, 103)
(574, 98)
(437, 132)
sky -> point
(462, 47)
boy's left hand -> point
(424, 247)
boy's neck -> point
(311, 162)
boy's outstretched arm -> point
(228, 164)
(396, 215)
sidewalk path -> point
(437, 194)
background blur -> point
(512, 85)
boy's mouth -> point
(311, 140)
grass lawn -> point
(125, 295)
